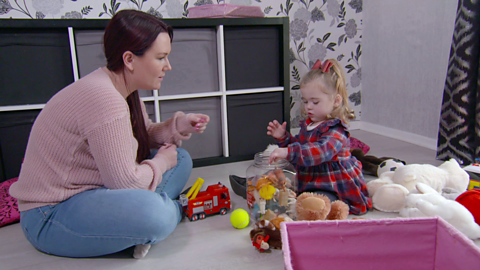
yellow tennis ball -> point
(239, 219)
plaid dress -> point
(323, 162)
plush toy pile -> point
(309, 206)
(390, 190)
(423, 190)
(413, 190)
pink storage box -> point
(426, 243)
(224, 11)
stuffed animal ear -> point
(458, 178)
(339, 211)
(424, 188)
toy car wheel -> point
(223, 211)
(194, 218)
(202, 216)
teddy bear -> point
(390, 190)
(312, 206)
(429, 203)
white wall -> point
(406, 46)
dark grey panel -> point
(145, 93)
(150, 108)
(14, 132)
(33, 65)
(248, 117)
(209, 143)
(194, 62)
(90, 55)
(252, 57)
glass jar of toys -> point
(271, 188)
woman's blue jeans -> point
(104, 221)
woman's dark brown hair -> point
(134, 31)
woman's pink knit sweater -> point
(83, 140)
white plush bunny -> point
(429, 203)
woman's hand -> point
(279, 153)
(194, 123)
(199, 121)
(276, 130)
(170, 152)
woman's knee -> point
(184, 159)
(159, 217)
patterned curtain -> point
(459, 132)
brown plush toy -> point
(371, 164)
(266, 235)
(312, 206)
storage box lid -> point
(224, 11)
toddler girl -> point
(320, 152)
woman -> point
(88, 185)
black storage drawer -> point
(248, 117)
(34, 65)
(252, 57)
(14, 131)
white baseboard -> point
(389, 132)
(399, 135)
(355, 125)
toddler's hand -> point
(170, 152)
(279, 153)
(276, 130)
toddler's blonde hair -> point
(334, 82)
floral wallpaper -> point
(319, 29)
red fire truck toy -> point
(198, 204)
